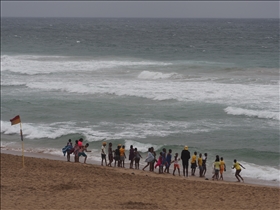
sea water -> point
(211, 84)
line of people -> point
(164, 160)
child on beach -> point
(152, 165)
(204, 159)
(103, 153)
(159, 163)
(163, 162)
(199, 161)
(122, 156)
(216, 168)
(117, 155)
(131, 156)
(222, 168)
(168, 161)
(137, 157)
(176, 164)
(76, 152)
(237, 165)
(68, 149)
(82, 151)
(193, 163)
(149, 159)
(110, 155)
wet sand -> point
(57, 184)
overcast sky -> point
(156, 9)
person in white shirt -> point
(103, 153)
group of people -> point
(164, 160)
(78, 150)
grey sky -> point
(171, 9)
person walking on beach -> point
(163, 162)
(76, 152)
(159, 163)
(68, 149)
(204, 159)
(216, 168)
(103, 153)
(193, 163)
(222, 168)
(131, 156)
(176, 164)
(117, 155)
(110, 155)
(237, 165)
(137, 157)
(168, 161)
(149, 159)
(82, 151)
(199, 162)
(185, 157)
(122, 156)
(152, 165)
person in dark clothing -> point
(204, 159)
(117, 155)
(185, 156)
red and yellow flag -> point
(15, 120)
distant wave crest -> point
(252, 113)
(157, 75)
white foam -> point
(157, 75)
(252, 113)
(261, 96)
(37, 131)
(99, 131)
(141, 147)
(260, 172)
(32, 65)
(145, 84)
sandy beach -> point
(56, 184)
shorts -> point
(204, 167)
(193, 165)
(217, 171)
(201, 168)
(122, 158)
(82, 154)
(176, 166)
(237, 172)
(117, 158)
(137, 160)
(103, 156)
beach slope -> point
(53, 184)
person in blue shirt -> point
(168, 160)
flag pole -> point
(21, 136)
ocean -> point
(211, 84)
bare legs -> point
(237, 175)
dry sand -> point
(54, 184)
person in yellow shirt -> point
(122, 156)
(199, 161)
(222, 168)
(237, 165)
(193, 163)
(216, 168)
